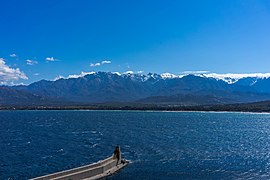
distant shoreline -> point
(257, 107)
(246, 112)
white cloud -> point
(50, 59)
(232, 78)
(80, 75)
(13, 55)
(31, 62)
(73, 75)
(239, 76)
(106, 62)
(140, 72)
(36, 74)
(100, 63)
(194, 72)
(8, 74)
(94, 65)
(227, 77)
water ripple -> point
(160, 145)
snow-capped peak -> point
(229, 78)
(117, 73)
(168, 75)
(128, 72)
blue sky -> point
(48, 38)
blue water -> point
(160, 145)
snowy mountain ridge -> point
(100, 87)
(229, 78)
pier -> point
(93, 171)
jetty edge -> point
(98, 170)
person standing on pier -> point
(117, 153)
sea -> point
(160, 145)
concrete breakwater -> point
(93, 171)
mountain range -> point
(109, 87)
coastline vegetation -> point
(243, 107)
